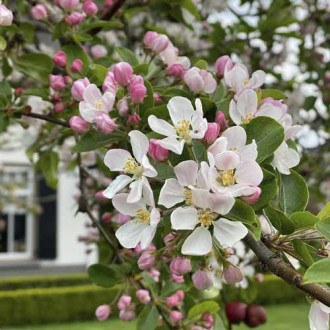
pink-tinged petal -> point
(171, 143)
(120, 203)
(269, 110)
(147, 193)
(199, 108)
(234, 114)
(199, 127)
(115, 159)
(218, 146)
(199, 243)
(210, 83)
(222, 204)
(180, 108)
(201, 198)
(161, 126)
(131, 233)
(202, 176)
(249, 152)
(184, 218)
(318, 318)
(135, 193)
(236, 137)
(148, 169)
(257, 79)
(240, 190)
(186, 173)
(247, 103)
(108, 101)
(292, 131)
(87, 111)
(227, 160)
(229, 232)
(116, 185)
(139, 143)
(249, 172)
(92, 94)
(236, 77)
(171, 193)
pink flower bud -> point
(78, 88)
(19, 91)
(176, 316)
(59, 58)
(232, 274)
(122, 106)
(143, 296)
(77, 65)
(39, 12)
(148, 38)
(202, 280)
(74, 19)
(180, 266)
(110, 83)
(124, 302)
(78, 124)
(208, 320)
(169, 237)
(253, 198)
(134, 119)
(260, 277)
(104, 123)
(57, 82)
(200, 80)
(146, 260)
(172, 301)
(177, 279)
(212, 132)
(90, 8)
(68, 5)
(106, 217)
(100, 197)
(220, 118)
(6, 16)
(155, 274)
(123, 73)
(138, 92)
(108, 3)
(159, 43)
(136, 80)
(180, 294)
(99, 51)
(276, 103)
(59, 107)
(157, 98)
(126, 315)
(222, 63)
(175, 70)
(121, 219)
(68, 80)
(157, 152)
(102, 312)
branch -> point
(47, 118)
(278, 267)
(108, 15)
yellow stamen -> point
(187, 196)
(246, 81)
(131, 166)
(98, 104)
(182, 128)
(227, 177)
(247, 119)
(206, 218)
(142, 216)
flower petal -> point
(186, 173)
(131, 233)
(147, 193)
(249, 172)
(171, 143)
(247, 103)
(249, 152)
(201, 198)
(229, 232)
(108, 101)
(180, 108)
(148, 169)
(161, 126)
(135, 193)
(218, 146)
(227, 160)
(116, 185)
(236, 137)
(139, 143)
(92, 94)
(318, 319)
(198, 243)
(171, 193)
(257, 79)
(120, 203)
(87, 111)
(222, 204)
(115, 159)
(269, 110)
(184, 218)
(147, 236)
(234, 114)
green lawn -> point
(280, 317)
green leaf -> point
(6, 90)
(127, 55)
(268, 190)
(323, 227)
(204, 307)
(302, 251)
(199, 150)
(151, 284)
(202, 64)
(279, 220)
(319, 272)
(103, 275)
(160, 111)
(164, 171)
(41, 92)
(35, 65)
(241, 211)
(267, 133)
(96, 73)
(293, 193)
(325, 212)
(171, 287)
(48, 164)
(94, 140)
(274, 93)
(174, 91)
(208, 105)
(4, 121)
(191, 7)
(219, 94)
(75, 52)
(105, 25)
(303, 219)
(148, 318)
(142, 69)
(3, 43)
(148, 102)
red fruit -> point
(255, 316)
(236, 312)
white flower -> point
(285, 158)
(188, 124)
(170, 57)
(238, 79)
(142, 228)
(94, 102)
(246, 108)
(290, 130)
(319, 316)
(138, 166)
(200, 80)
(203, 214)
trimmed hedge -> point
(44, 281)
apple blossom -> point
(157, 43)
(110, 83)
(256, 315)
(180, 266)
(220, 118)
(222, 63)
(104, 123)
(188, 123)
(39, 12)
(123, 73)
(122, 106)
(77, 66)
(90, 7)
(176, 316)
(199, 80)
(74, 19)
(60, 58)
(146, 260)
(213, 130)
(232, 274)
(133, 119)
(99, 51)
(175, 70)
(156, 151)
(170, 57)
(319, 316)
(78, 88)
(102, 312)
(285, 158)
(143, 296)
(57, 82)
(68, 5)
(202, 279)
(6, 16)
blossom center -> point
(227, 178)
(132, 166)
(246, 81)
(142, 216)
(247, 119)
(98, 104)
(206, 218)
(187, 196)
(182, 129)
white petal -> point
(120, 203)
(148, 169)
(171, 193)
(108, 101)
(135, 193)
(92, 94)
(180, 108)
(210, 83)
(249, 151)
(199, 127)
(115, 159)
(318, 319)
(249, 172)
(171, 143)
(199, 107)
(247, 103)
(147, 193)
(154, 217)
(186, 173)
(227, 160)
(234, 114)
(87, 111)
(202, 176)
(198, 243)
(116, 185)
(139, 143)
(236, 137)
(201, 198)
(236, 77)
(161, 126)
(147, 236)
(218, 146)
(257, 79)
(184, 218)
(131, 233)
(269, 110)
(229, 232)
(292, 131)
(222, 204)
